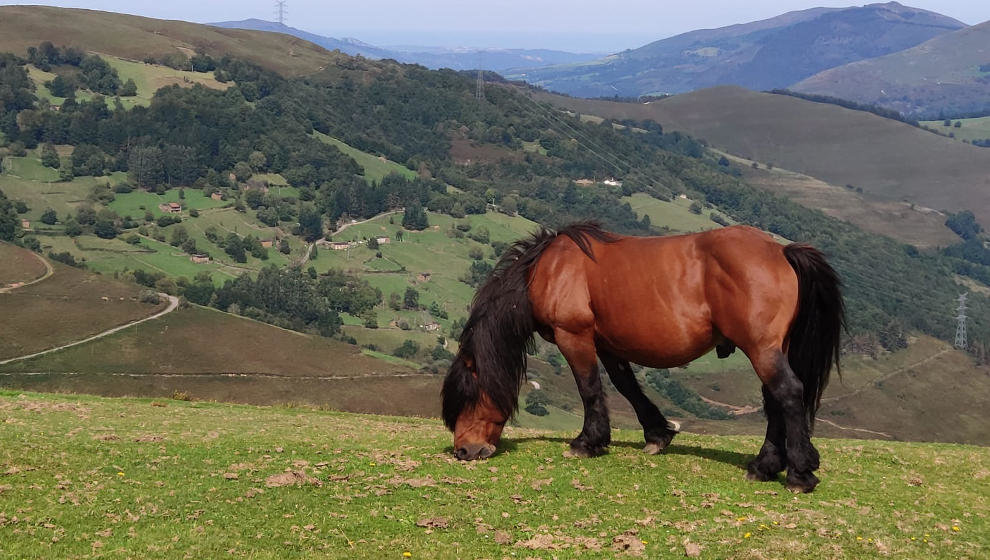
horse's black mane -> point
(500, 327)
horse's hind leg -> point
(657, 431)
(579, 351)
(773, 455)
(788, 393)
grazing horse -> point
(660, 302)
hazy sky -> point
(576, 25)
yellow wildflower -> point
(747, 535)
(407, 554)
(120, 474)
(955, 527)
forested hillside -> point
(468, 156)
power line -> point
(961, 323)
(479, 90)
(280, 11)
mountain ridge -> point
(765, 54)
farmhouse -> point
(25, 224)
(612, 182)
(339, 245)
(267, 242)
(424, 276)
(431, 327)
(584, 182)
(200, 259)
(217, 195)
(170, 207)
(383, 240)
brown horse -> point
(659, 302)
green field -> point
(675, 215)
(136, 203)
(969, 129)
(375, 168)
(86, 476)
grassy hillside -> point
(86, 476)
(70, 305)
(940, 75)
(887, 159)
(134, 38)
(968, 130)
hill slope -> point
(766, 54)
(207, 480)
(886, 158)
(940, 75)
(135, 37)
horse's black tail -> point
(814, 337)
(499, 330)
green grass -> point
(89, 476)
(135, 203)
(970, 129)
(149, 78)
(675, 215)
(375, 168)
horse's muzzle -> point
(474, 451)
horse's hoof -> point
(582, 452)
(801, 483)
(653, 448)
(759, 477)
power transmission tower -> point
(280, 11)
(479, 90)
(961, 323)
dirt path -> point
(733, 409)
(347, 225)
(864, 430)
(885, 377)
(172, 305)
(48, 272)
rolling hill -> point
(760, 55)
(466, 58)
(887, 159)
(135, 38)
(942, 76)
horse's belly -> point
(657, 345)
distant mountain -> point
(767, 54)
(347, 46)
(950, 74)
(498, 60)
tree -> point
(310, 223)
(536, 403)
(61, 87)
(235, 248)
(145, 166)
(411, 299)
(695, 207)
(398, 235)
(407, 350)
(283, 246)
(49, 217)
(395, 301)
(72, 228)
(964, 224)
(258, 161)
(129, 89)
(242, 170)
(49, 157)
(10, 225)
(373, 243)
(179, 236)
(415, 218)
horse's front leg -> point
(657, 431)
(579, 351)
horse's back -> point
(662, 301)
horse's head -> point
(470, 412)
